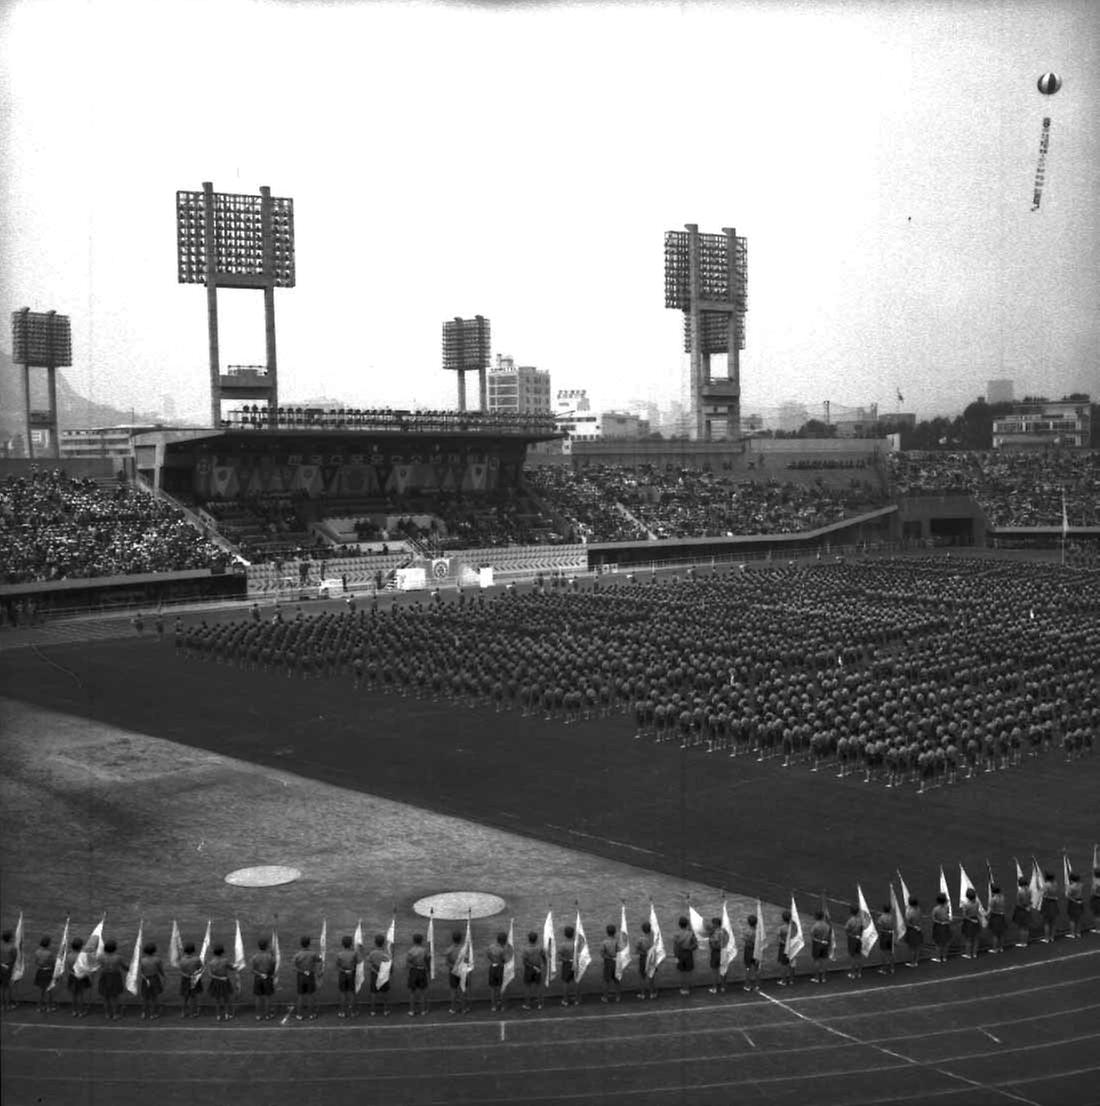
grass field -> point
(756, 829)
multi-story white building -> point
(518, 389)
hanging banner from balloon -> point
(1048, 84)
(1041, 168)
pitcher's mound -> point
(456, 905)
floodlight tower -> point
(228, 240)
(706, 277)
(41, 340)
(467, 348)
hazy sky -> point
(523, 162)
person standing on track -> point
(941, 928)
(997, 924)
(534, 964)
(569, 992)
(717, 941)
(306, 962)
(347, 961)
(641, 949)
(684, 944)
(43, 974)
(8, 953)
(263, 979)
(221, 983)
(1049, 908)
(885, 926)
(112, 972)
(1075, 905)
(786, 968)
(971, 925)
(821, 939)
(151, 969)
(1021, 913)
(76, 984)
(914, 934)
(609, 951)
(748, 946)
(498, 955)
(853, 928)
(191, 969)
(416, 961)
(460, 1002)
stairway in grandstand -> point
(635, 521)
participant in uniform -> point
(941, 929)
(75, 984)
(347, 960)
(853, 928)
(971, 925)
(534, 964)
(684, 944)
(641, 949)
(306, 962)
(821, 938)
(997, 918)
(885, 926)
(498, 955)
(748, 954)
(609, 952)
(717, 940)
(460, 999)
(191, 969)
(8, 954)
(43, 974)
(416, 961)
(1049, 908)
(1094, 901)
(914, 935)
(151, 969)
(263, 979)
(1021, 913)
(786, 968)
(567, 969)
(112, 973)
(222, 989)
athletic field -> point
(133, 781)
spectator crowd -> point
(59, 527)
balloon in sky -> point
(1049, 83)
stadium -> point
(442, 755)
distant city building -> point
(622, 424)
(1043, 423)
(1000, 391)
(102, 441)
(518, 389)
(573, 413)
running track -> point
(1022, 1028)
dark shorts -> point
(914, 937)
(345, 981)
(685, 960)
(418, 980)
(996, 924)
(970, 928)
(43, 977)
(221, 988)
(1049, 910)
(110, 984)
(1021, 916)
(1074, 909)
(151, 986)
(609, 971)
(941, 933)
(454, 981)
(820, 950)
(749, 956)
(783, 959)
(189, 986)
(886, 941)
(532, 975)
(567, 973)
(307, 984)
(716, 959)
(496, 975)
(76, 983)
(855, 946)
(263, 986)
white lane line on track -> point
(931, 1065)
(53, 664)
(592, 1019)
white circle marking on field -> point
(266, 875)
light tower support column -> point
(210, 243)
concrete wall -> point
(74, 466)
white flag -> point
(360, 958)
(1066, 870)
(698, 926)
(19, 968)
(761, 934)
(729, 951)
(905, 896)
(87, 960)
(465, 962)
(657, 952)
(899, 916)
(796, 941)
(278, 956)
(238, 949)
(509, 972)
(323, 949)
(1036, 885)
(622, 955)
(869, 936)
(386, 967)
(549, 945)
(205, 943)
(946, 894)
(135, 960)
(175, 946)
(431, 944)
(582, 957)
(59, 960)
